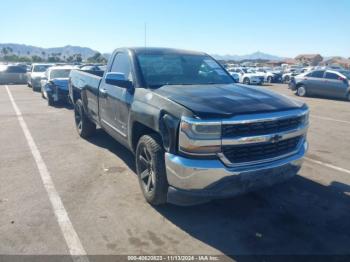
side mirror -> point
(118, 79)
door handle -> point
(103, 92)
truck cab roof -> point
(159, 50)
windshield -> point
(181, 69)
(346, 73)
(60, 73)
(40, 68)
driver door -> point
(114, 101)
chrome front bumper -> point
(212, 179)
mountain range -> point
(68, 50)
(253, 56)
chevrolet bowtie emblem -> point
(276, 138)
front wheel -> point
(42, 93)
(83, 124)
(301, 90)
(50, 101)
(150, 167)
(246, 81)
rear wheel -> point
(348, 96)
(150, 167)
(286, 79)
(301, 90)
(83, 124)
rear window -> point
(16, 69)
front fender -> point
(156, 120)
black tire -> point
(42, 93)
(29, 85)
(269, 79)
(246, 81)
(348, 97)
(50, 101)
(150, 168)
(286, 79)
(83, 124)
(301, 91)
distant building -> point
(337, 61)
(309, 59)
(288, 61)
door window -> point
(332, 76)
(121, 64)
(317, 74)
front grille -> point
(261, 128)
(257, 152)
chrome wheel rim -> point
(77, 117)
(301, 91)
(147, 175)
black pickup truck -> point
(195, 134)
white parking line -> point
(330, 119)
(73, 242)
(328, 165)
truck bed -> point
(85, 85)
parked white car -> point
(36, 73)
(287, 76)
(247, 77)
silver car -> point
(13, 74)
(329, 83)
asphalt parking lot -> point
(96, 182)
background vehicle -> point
(196, 135)
(54, 84)
(327, 83)
(235, 76)
(12, 74)
(91, 67)
(247, 77)
(37, 71)
(270, 76)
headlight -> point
(199, 138)
(305, 120)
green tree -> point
(53, 59)
(97, 58)
(37, 59)
(6, 51)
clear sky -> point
(284, 28)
